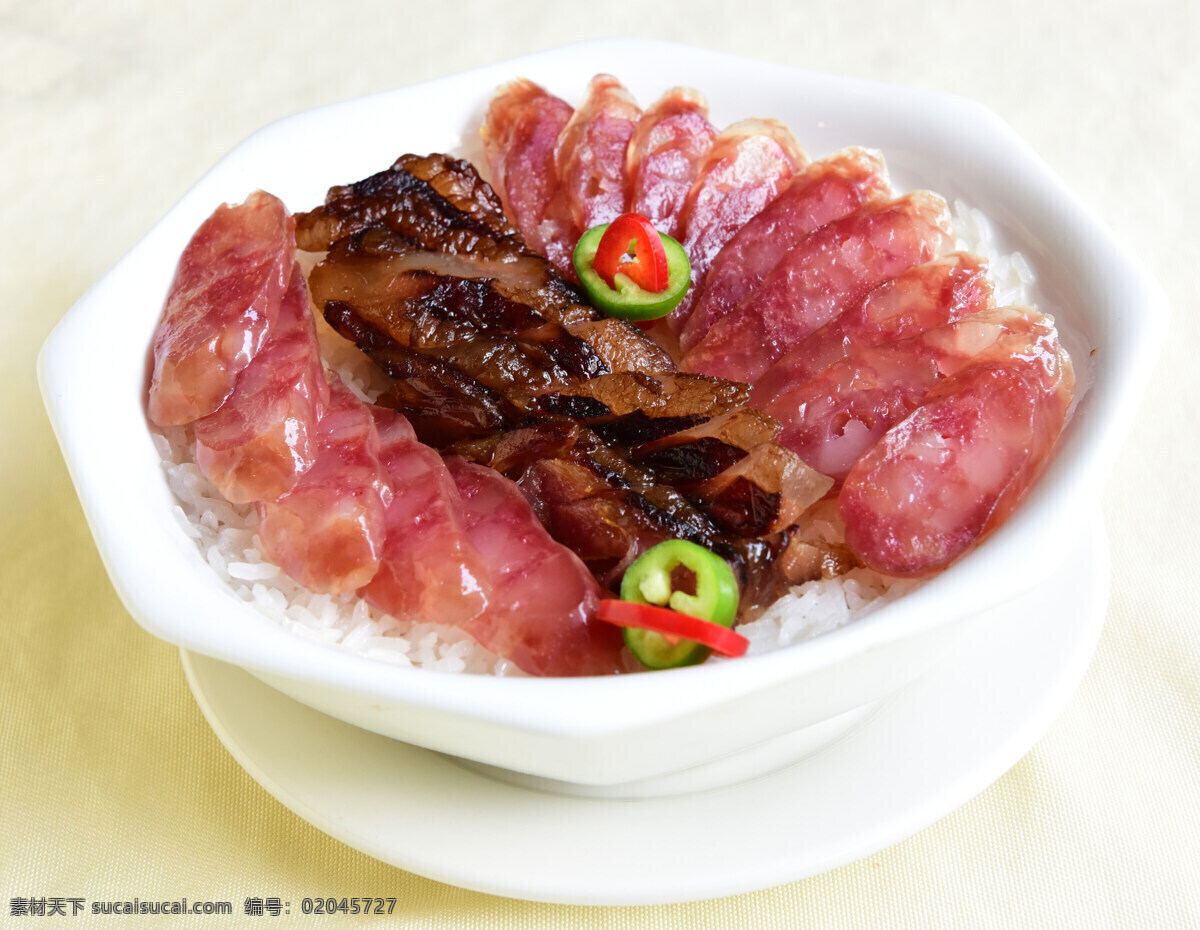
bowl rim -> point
(1029, 545)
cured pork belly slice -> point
(590, 155)
(402, 223)
(764, 491)
(831, 420)
(443, 403)
(262, 439)
(225, 296)
(429, 570)
(520, 133)
(917, 300)
(818, 280)
(437, 201)
(328, 532)
(609, 512)
(665, 153)
(824, 191)
(731, 468)
(946, 475)
(748, 164)
(541, 601)
(504, 344)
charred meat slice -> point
(443, 403)
(439, 201)
(435, 213)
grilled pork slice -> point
(438, 201)
(407, 294)
(451, 226)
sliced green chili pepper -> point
(623, 298)
(652, 580)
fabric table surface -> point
(112, 785)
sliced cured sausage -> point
(429, 569)
(225, 296)
(824, 191)
(917, 300)
(520, 132)
(590, 154)
(821, 278)
(542, 600)
(946, 475)
(263, 438)
(748, 164)
(664, 156)
(327, 533)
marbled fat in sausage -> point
(818, 280)
(826, 190)
(327, 533)
(263, 438)
(664, 156)
(225, 296)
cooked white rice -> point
(226, 535)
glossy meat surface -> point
(590, 155)
(922, 298)
(225, 296)
(263, 438)
(520, 134)
(328, 532)
(429, 570)
(748, 164)
(668, 146)
(946, 475)
(819, 279)
(824, 191)
(542, 600)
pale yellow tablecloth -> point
(111, 783)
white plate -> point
(920, 755)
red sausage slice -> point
(825, 191)
(819, 279)
(263, 438)
(327, 533)
(225, 296)
(664, 156)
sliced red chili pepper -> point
(631, 246)
(671, 623)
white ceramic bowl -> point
(606, 731)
